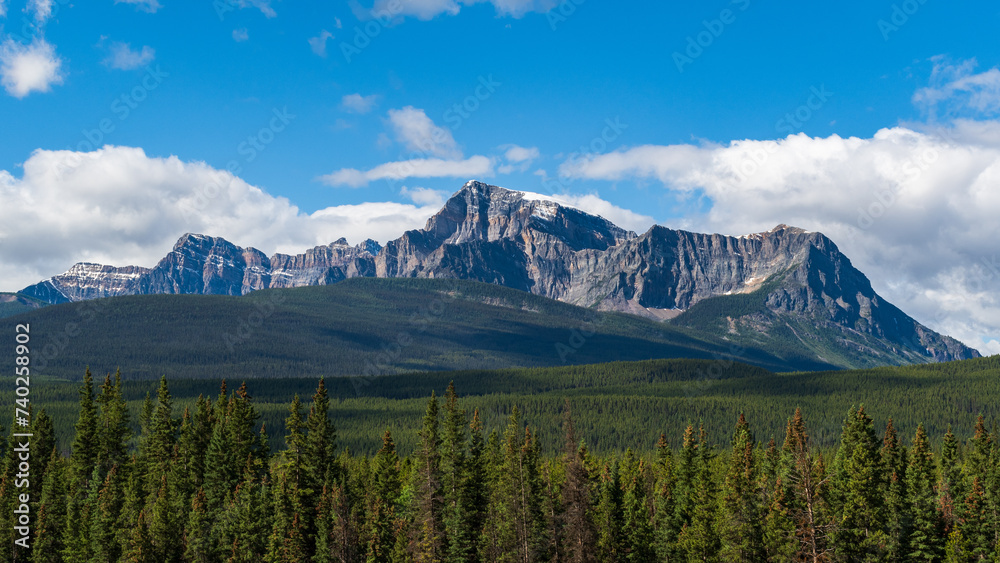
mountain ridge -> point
(531, 243)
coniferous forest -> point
(204, 486)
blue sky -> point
(313, 105)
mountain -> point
(361, 326)
(14, 303)
(783, 289)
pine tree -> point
(198, 545)
(140, 547)
(858, 492)
(925, 536)
(336, 537)
(578, 534)
(320, 447)
(166, 524)
(428, 542)
(951, 486)
(974, 530)
(103, 541)
(476, 487)
(741, 516)
(383, 494)
(700, 540)
(51, 522)
(637, 536)
(85, 443)
(896, 499)
(159, 448)
(454, 476)
(665, 520)
(608, 515)
(114, 432)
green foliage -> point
(462, 497)
(361, 326)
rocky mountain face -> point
(200, 264)
(491, 234)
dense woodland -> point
(204, 485)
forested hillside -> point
(361, 326)
(617, 405)
(202, 485)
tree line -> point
(204, 486)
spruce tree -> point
(700, 540)
(578, 534)
(608, 514)
(198, 545)
(637, 532)
(927, 527)
(85, 443)
(896, 498)
(665, 521)
(454, 477)
(951, 485)
(51, 522)
(429, 541)
(114, 431)
(741, 516)
(104, 520)
(858, 492)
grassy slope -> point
(615, 405)
(359, 326)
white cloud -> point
(3, 9)
(424, 196)
(475, 166)
(419, 133)
(119, 206)
(521, 154)
(29, 68)
(240, 35)
(955, 90)
(356, 103)
(915, 210)
(41, 8)
(150, 6)
(519, 159)
(593, 204)
(318, 43)
(429, 9)
(122, 57)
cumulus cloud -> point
(419, 133)
(318, 43)
(356, 103)
(475, 166)
(240, 35)
(29, 68)
(150, 6)
(915, 210)
(956, 90)
(119, 206)
(429, 9)
(122, 57)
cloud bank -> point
(914, 209)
